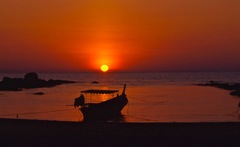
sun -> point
(104, 68)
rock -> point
(30, 80)
(11, 84)
(235, 93)
(31, 76)
(95, 82)
(38, 93)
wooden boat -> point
(102, 111)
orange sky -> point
(127, 35)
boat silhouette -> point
(102, 111)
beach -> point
(159, 113)
(18, 132)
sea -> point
(153, 97)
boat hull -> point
(105, 110)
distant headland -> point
(30, 80)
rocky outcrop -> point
(235, 93)
(235, 87)
(30, 80)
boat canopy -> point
(94, 91)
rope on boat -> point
(139, 118)
(30, 113)
(147, 101)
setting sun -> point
(104, 68)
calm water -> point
(153, 97)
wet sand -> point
(16, 132)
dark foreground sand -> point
(15, 132)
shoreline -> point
(62, 133)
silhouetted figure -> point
(238, 106)
(238, 110)
(80, 101)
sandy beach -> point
(17, 132)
